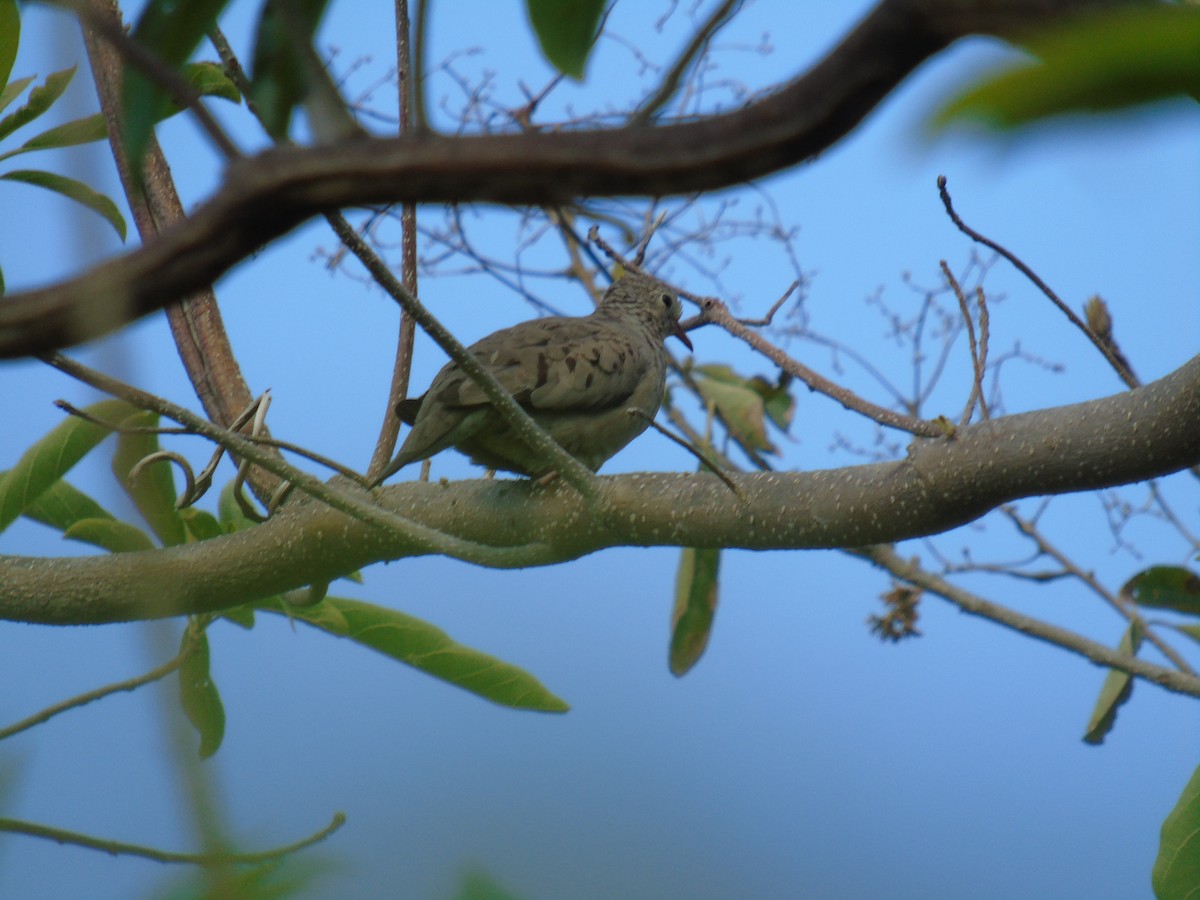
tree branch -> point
(942, 483)
(265, 197)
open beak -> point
(682, 335)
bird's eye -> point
(666, 299)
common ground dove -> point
(577, 377)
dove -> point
(576, 376)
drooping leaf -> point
(1176, 873)
(1117, 689)
(282, 71)
(109, 534)
(200, 699)
(171, 29)
(741, 407)
(43, 464)
(695, 606)
(425, 647)
(566, 31)
(153, 490)
(1165, 587)
(10, 37)
(41, 98)
(75, 190)
(1105, 62)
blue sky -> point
(801, 757)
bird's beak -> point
(682, 335)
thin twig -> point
(714, 311)
(1122, 607)
(1119, 367)
(670, 81)
(389, 428)
(707, 463)
(129, 684)
(120, 848)
(976, 392)
(423, 537)
(572, 470)
(886, 558)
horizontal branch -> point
(940, 484)
(268, 195)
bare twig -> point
(699, 454)
(670, 82)
(1118, 365)
(120, 848)
(1182, 682)
(977, 359)
(129, 684)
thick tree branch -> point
(942, 483)
(267, 196)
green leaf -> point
(200, 525)
(41, 98)
(1104, 62)
(740, 405)
(695, 606)
(282, 77)
(478, 885)
(60, 506)
(778, 401)
(13, 90)
(43, 464)
(1117, 689)
(426, 648)
(242, 616)
(1176, 872)
(69, 134)
(566, 31)
(171, 29)
(229, 513)
(208, 78)
(1165, 587)
(153, 491)
(10, 37)
(109, 534)
(75, 190)
(199, 697)
(1192, 631)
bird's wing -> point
(555, 364)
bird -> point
(578, 377)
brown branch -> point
(887, 558)
(389, 429)
(716, 312)
(939, 485)
(195, 322)
(1116, 362)
(265, 197)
